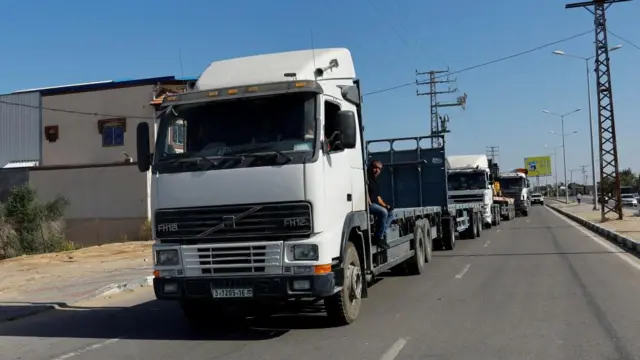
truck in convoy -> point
(470, 181)
(516, 185)
(258, 190)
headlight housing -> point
(167, 257)
(305, 252)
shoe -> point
(381, 243)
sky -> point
(55, 43)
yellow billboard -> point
(538, 165)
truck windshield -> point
(467, 181)
(511, 183)
(272, 129)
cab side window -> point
(330, 121)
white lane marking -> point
(487, 243)
(498, 230)
(394, 350)
(621, 253)
(86, 349)
(464, 271)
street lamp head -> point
(616, 47)
(558, 52)
(551, 132)
(545, 111)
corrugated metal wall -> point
(20, 128)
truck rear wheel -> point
(471, 232)
(448, 233)
(428, 241)
(415, 266)
(343, 307)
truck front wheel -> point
(343, 307)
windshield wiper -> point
(261, 149)
(273, 151)
(188, 157)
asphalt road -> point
(536, 288)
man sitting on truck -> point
(377, 207)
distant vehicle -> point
(537, 198)
(629, 200)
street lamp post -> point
(564, 149)
(593, 161)
(555, 165)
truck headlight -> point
(167, 257)
(305, 252)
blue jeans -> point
(383, 219)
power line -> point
(74, 111)
(623, 39)
(487, 63)
(369, 93)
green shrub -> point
(145, 231)
(29, 227)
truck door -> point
(337, 172)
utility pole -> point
(584, 174)
(493, 153)
(609, 170)
(438, 123)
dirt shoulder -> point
(29, 273)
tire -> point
(449, 234)
(525, 212)
(471, 232)
(343, 307)
(415, 265)
(428, 248)
(478, 225)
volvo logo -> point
(229, 221)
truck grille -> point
(231, 259)
(462, 199)
(234, 222)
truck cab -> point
(469, 181)
(258, 188)
(516, 185)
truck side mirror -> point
(347, 127)
(142, 147)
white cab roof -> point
(468, 161)
(270, 68)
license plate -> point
(232, 293)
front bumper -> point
(268, 287)
(537, 201)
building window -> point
(177, 133)
(112, 131)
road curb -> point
(628, 244)
(108, 290)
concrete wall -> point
(108, 203)
(79, 140)
(19, 128)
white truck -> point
(516, 185)
(258, 190)
(469, 181)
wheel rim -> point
(355, 283)
(420, 251)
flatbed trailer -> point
(414, 182)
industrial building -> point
(78, 140)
